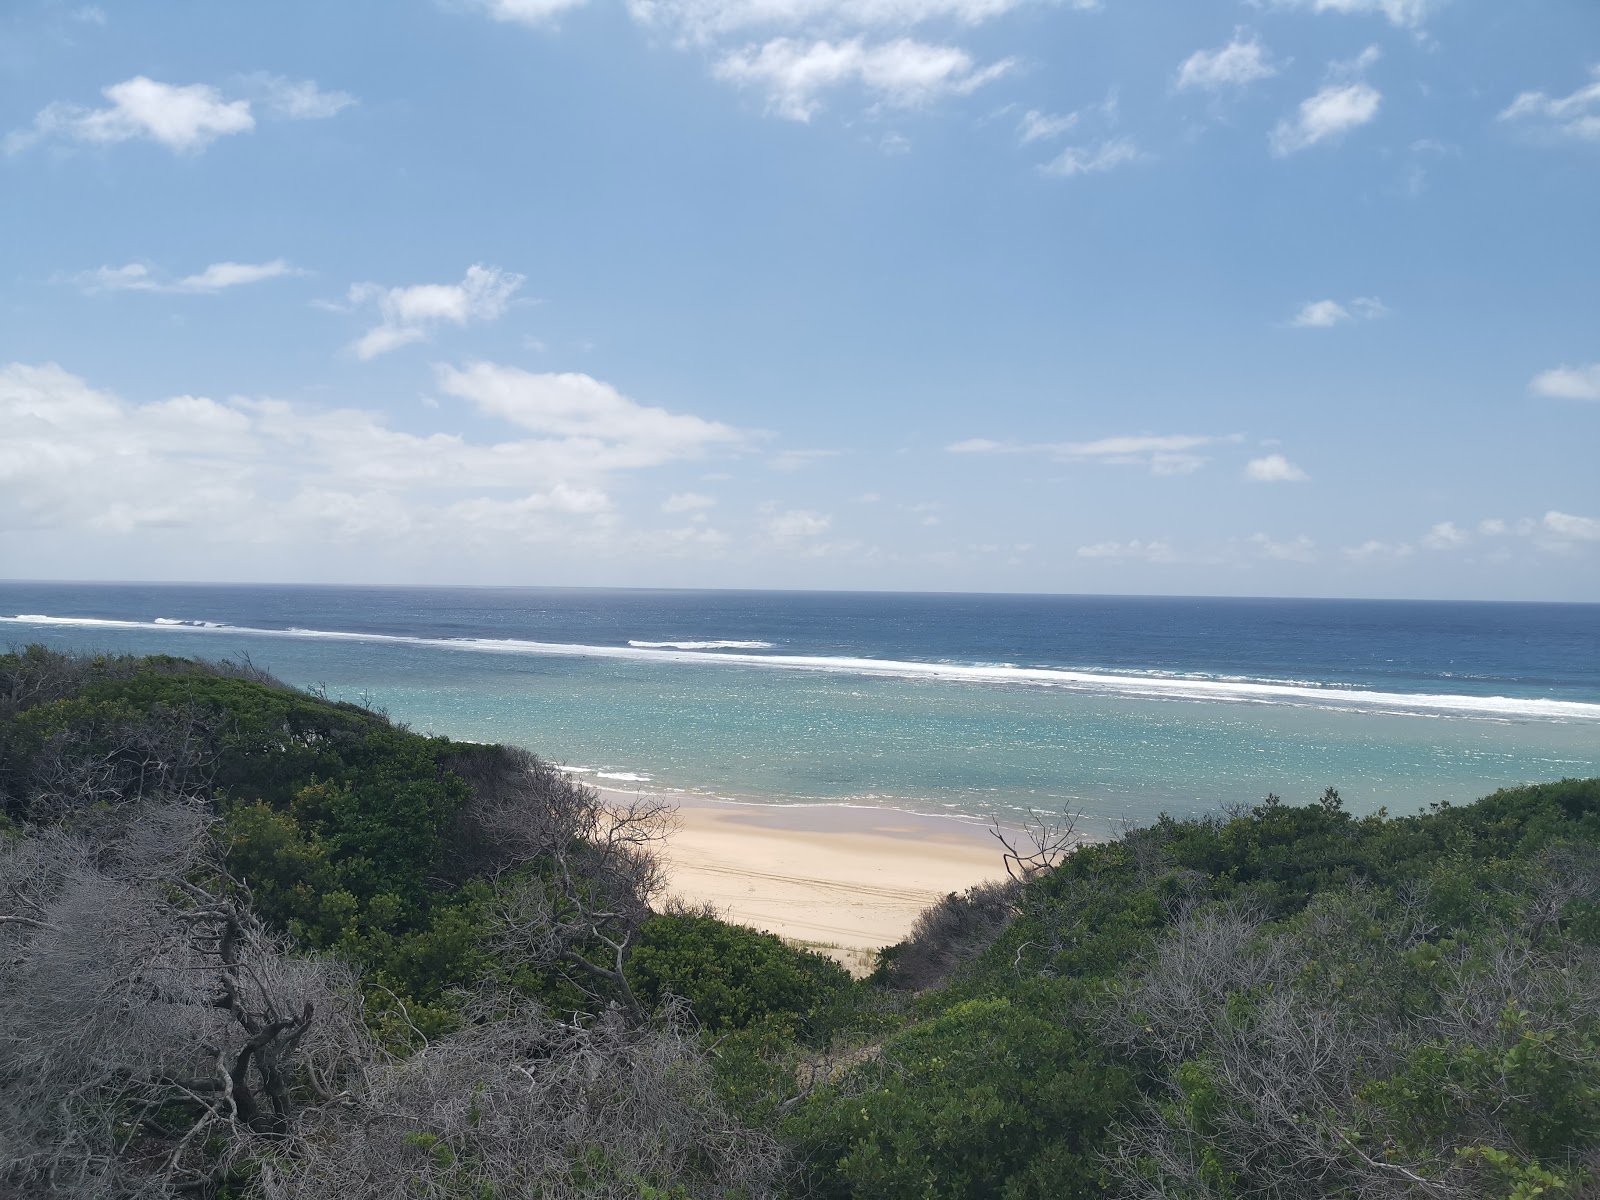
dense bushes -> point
(732, 977)
(257, 943)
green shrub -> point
(731, 976)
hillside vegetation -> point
(256, 943)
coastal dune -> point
(843, 879)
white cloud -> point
(1274, 468)
(1038, 126)
(1570, 528)
(1169, 454)
(526, 12)
(1492, 527)
(797, 523)
(706, 20)
(297, 100)
(136, 277)
(680, 502)
(411, 313)
(1576, 115)
(1241, 61)
(1568, 383)
(1152, 552)
(1404, 14)
(1376, 551)
(1325, 314)
(1327, 115)
(1297, 549)
(1093, 158)
(185, 119)
(592, 417)
(80, 461)
(1446, 535)
(901, 74)
(1321, 314)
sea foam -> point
(1149, 686)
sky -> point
(1229, 297)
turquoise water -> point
(824, 706)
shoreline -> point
(845, 879)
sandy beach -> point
(850, 880)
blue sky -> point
(1271, 297)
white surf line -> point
(1127, 686)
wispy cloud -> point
(1137, 551)
(1242, 61)
(1037, 126)
(410, 314)
(1094, 158)
(1347, 102)
(1172, 454)
(1576, 115)
(183, 118)
(1374, 550)
(1403, 14)
(297, 99)
(1326, 116)
(525, 12)
(1325, 314)
(1568, 383)
(1299, 549)
(137, 277)
(796, 524)
(682, 502)
(799, 460)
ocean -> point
(1117, 707)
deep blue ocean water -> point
(1120, 706)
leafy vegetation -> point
(260, 943)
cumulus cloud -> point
(410, 314)
(1576, 115)
(1169, 454)
(184, 118)
(1446, 535)
(1329, 114)
(1325, 314)
(1570, 528)
(593, 418)
(79, 460)
(1243, 60)
(1568, 383)
(903, 73)
(1093, 158)
(137, 277)
(1274, 468)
